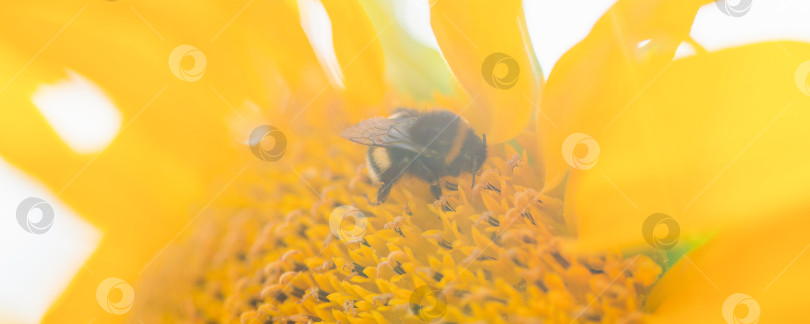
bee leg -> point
(436, 190)
(382, 193)
(388, 178)
(427, 174)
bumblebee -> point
(428, 145)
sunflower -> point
(628, 187)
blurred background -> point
(35, 269)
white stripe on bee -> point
(380, 159)
(371, 173)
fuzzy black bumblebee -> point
(428, 145)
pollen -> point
(265, 252)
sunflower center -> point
(276, 251)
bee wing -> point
(384, 132)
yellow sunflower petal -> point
(494, 62)
(597, 79)
(709, 151)
(642, 135)
(758, 271)
(174, 139)
(358, 49)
